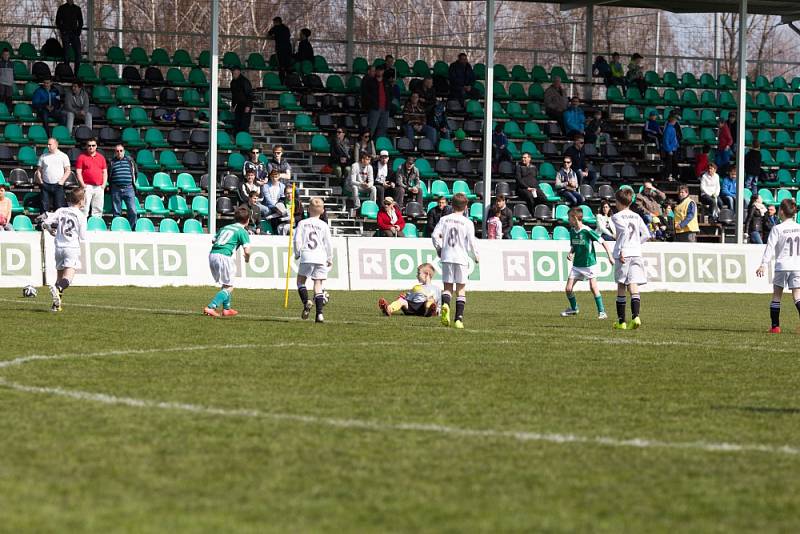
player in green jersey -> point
(584, 262)
(220, 260)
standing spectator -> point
(494, 226)
(121, 175)
(6, 78)
(752, 167)
(366, 83)
(577, 154)
(728, 190)
(390, 220)
(754, 222)
(415, 120)
(617, 71)
(46, 101)
(92, 173)
(283, 46)
(256, 166)
(505, 214)
(5, 210)
(69, 22)
(734, 129)
(709, 190)
(670, 149)
(52, 173)
(435, 213)
(499, 146)
(724, 143)
(635, 74)
(76, 104)
(361, 179)
(305, 52)
(601, 69)
(388, 66)
(555, 102)
(340, 155)
(408, 182)
(274, 193)
(375, 100)
(365, 144)
(527, 184)
(701, 161)
(384, 180)
(604, 227)
(685, 211)
(652, 130)
(241, 100)
(462, 79)
(770, 220)
(567, 184)
(278, 163)
(574, 118)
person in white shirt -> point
(709, 190)
(783, 245)
(312, 246)
(629, 271)
(604, 226)
(52, 172)
(68, 226)
(383, 178)
(454, 239)
(361, 179)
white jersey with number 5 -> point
(631, 233)
(69, 225)
(784, 245)
(312, 241)
(454, 238)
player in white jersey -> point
(454, 239)
(312, 246)
(68, 225)
(629, 271)
(783, 245)
(421, 300)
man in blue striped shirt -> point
(121, 175)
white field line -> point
(360, 424)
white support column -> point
(213, 120)
(350, 29)
(90, 37)
(740, 121)
(588, 61)
(487, 118)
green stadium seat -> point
(539, 75)
(139, 117)
(287, 102)
(534, 110)
(231, 59)
(383, 143)
(515, 111)
(784, 139)
(155, 139)
(707, 81)
(321, 65)
(191, 98)
(369, 209)
(197, 77)
(708, 136)
(614, 95)
(334, 84)
(27, 51)
(652, 78)
(162, 182)
(169, 161)
(588, 216)
(512, 130)
(633, 96)
(519, 73)
(536, 92)
(192, 226)
(224, 141)
(115, 116)
(143, 184)
(116, 55)
(16, 207)
(670, 79)
(24, 113)
(518, 232)
(513, 150)
(439, 188)
(448, 148)
(154, 205)
(109, 75)
(410, 230)
(688, 81)
(781, 102)
(767, 160)
(353, 84)
(236, 162)
(764, 119)
(175, 77)
(86, 73)
(62, 135)
(204, 59)
(533, 132)
(200, 206)
(5, 114)
(763, 101)
(143, 224)
(244, 141)
(784, 159)
(460, 186)
(474, 109)
(27, 156)
(633, 115)
(186, 184)
(708, 117)
(766, 197)
(131, 138)
(320, 144)
(424, 168)
(177, 206)
(476, 211)
(120, 224)
(96, 224)
(304, 123)
(181, 58)
(652, 97)
(540, 233)
(22, 223)
(146, 160)
(725, 82)
(168, 226)
(420, 68)
(547, 172)
(549, 194)
(560, 233)
(762, 83)
(101, 94)
(138, 57)
(37, 135)
(360, 66)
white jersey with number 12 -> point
(454, 238)
(784, 245)
(631, 233)
(312, 241)
(69, 225)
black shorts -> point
(416, 308)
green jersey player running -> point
(584, 262)
(220, 260)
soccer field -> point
(129, 411)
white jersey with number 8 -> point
(631, 233)
(454, 239)
(69, 225)
(312, 241)
(783, 244)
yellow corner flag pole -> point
(289, 255)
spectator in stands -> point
(709, 190)
(92, 174)
(69, 22)
(305, 52)
(594, 129)
(6, 78)
(299, 211)
(390, 219)
(253, 206)
(574, 118)
(76, 105)
(724, 143)
(577, 154)
(408, 182)
(439, 122)
(752, 167)
(500, 151)
(361, 179)
(617, 71)
(121, 176)
(46, 101)
(376, 99)
(734, 129)
(52, 172)
(255, 165)
(248, 186)
(567, 184)
(462, 79)
(340, 155)
(388, 67)
(601, 69)
(241, 100)
(685, 212)
(604, 227)
(651, 199)
(435, 213)
(701, 161)
(384, 178)
(365, 144)
(754, 221)
(274, 193)
(652, 130)
(494, 226)
(727, 195)
(505, 214)
(278, 163)
(283, 46)
(635, 74)
(670, 145)
(555, 102)
(427, 96)
(5, 210)
(770, 220)
(527, 185)
(414, 120)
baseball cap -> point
(383, 153)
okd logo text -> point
(135, 259)
(401, 264)
(15, 259)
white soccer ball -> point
(326, 296)
(29, 292)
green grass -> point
(701, 371)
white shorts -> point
(222, 268)
(583, 273)
(68, 258)
(454, 273)
(315, 271)
(630, 272)
(787, 279)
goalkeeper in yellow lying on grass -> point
(422, 300)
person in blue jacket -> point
(46, 102)
(728, 189)
(670, 146)
(574, 118)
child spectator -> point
(493, 225)
(499, 146)
(635, 75)
(5, 210)
(617, 71)
(652, 130)
(728, 191)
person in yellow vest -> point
(686, 227)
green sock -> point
(218, 299)
(227, 302)
(599, 301)
(573, 303)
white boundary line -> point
(360, 424)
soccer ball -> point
(29, 292)
(326, 296)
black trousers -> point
(241, 119)
(72, 40)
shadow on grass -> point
(759, 409)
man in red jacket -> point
(390, 220)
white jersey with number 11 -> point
(783, 244)
(454, 238)
(312, 241)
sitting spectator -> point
(527, 184)
(723, 156)
(652, 130)
(752, 167)
(709, 190)
(5, 210)
(253, 206)
(567, 184)
(76, 104)
(701, 161)
(439, 122)
(555, 102)
(254, 164)
(390, 220)
(728, 190)
(493, 225)
(594, 130)
(601, 69)
(278, 163)
(685, 217)
(415, 121)
(771, 220)
(635, 74)
(376, 101)
(577, 154)
(361, 179)
(388, 66)
(604, 227)
(273, 193)
(365, 145)
(305, 52)
(462, 79)
(649, 206)
(299, 212)
(46, 101)
(427, 96)
(754, 221)
(654, 197)
(435, 213)
(505, 214)
(340, 160)
(499, 146)
(6, 78)
(384, 179)
(248, 186)
(574, 118)
(408, 182)
(669, 147)
(617, 71)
